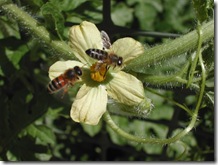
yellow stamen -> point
(98, 71)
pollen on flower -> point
(98, 71)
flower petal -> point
(126, 89)
(89, 105)
(128, 48)
(60, 67)
(83, 37)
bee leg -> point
(64, 91)
(107, 68)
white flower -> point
(91, 100)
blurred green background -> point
(36, 126)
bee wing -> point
(105, 40)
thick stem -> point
(175, 47)
(37, 30)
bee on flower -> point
(106, 59)
(100, 81)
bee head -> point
(78, 71)
(69, 73)
(120, 61)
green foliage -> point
(36, 126)
(203, 9)
(122, 15)
(53, 18)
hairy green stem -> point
(160, 79)
(107, 118)
(172, 48)
(37, 30)
(203, 75)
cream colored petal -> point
(83, 37)
(126, 89)
(60, 66)
(89, 105)
(128, 48)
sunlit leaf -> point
(15, 56)
(42, 132)
(68, 5)
(202, 8)
(53, 17)
(122, 15)
(123, 123)
(146, 13)
(92, 130)
(8, 28)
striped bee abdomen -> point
(56, 84)
(97, 54)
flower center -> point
(99, 71)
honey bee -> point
(103, 55)
(64, 80)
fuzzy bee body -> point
(64, 80)
(97, 54)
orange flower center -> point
(99, 71)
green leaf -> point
(138, 128)
(208, 57)
(201, 9)
(121, 14)
(146, 12)
(8, 28)
(92, 130)
(11, 156)
(178, 149)
(123, 123)
(24, 148)
(189, 139)
(53, 17)
(68, 5)
(32, 6)
(35, 2)
(45, 134)
(16, 56)
(162, 112)
(210, 95)
(148, 130)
